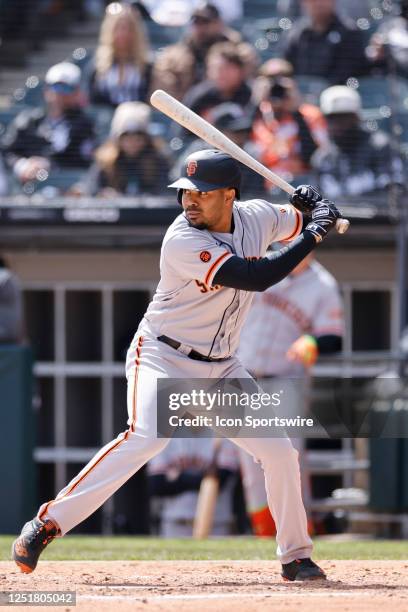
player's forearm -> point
(239, 273)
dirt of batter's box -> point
(215, 586)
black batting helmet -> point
(209, 170)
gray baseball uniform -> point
(188, 308)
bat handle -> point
(342, 225)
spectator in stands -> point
(178, 67)
(11, 306)
(388, 47)
(4, 181)
(225, 82)
(286, 130)
(356, 161)
(324, 45)
(120, 71)
(236, 124)
(60, 135)
(131, 161)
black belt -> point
(192, 354)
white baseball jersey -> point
(303, 303)
(194, 454)
(187, 306)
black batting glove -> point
(324, 218)
(305, 198)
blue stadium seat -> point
(377, 92)
(102, 116)
(257, 9)
(311, 87)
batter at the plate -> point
(213, 258)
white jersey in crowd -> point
(186, 306)
(305, 303)
(194, 454)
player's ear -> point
(229, 195)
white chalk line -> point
(200, 596)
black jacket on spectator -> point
(67, 141)
(147, 173)
(334, 55)
(205, 95)
(366, 166)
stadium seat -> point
(377, 92)
(311, 87)
(102, 116)
(56, 183)
(257, 9)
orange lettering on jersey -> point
(205, 256)
(253, 258)
(191, 168)
(206, 288)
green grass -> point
(82, 548)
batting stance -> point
(212, 260)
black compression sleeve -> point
(239, 273)
(329, 343)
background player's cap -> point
(209, 170)
(340, 99)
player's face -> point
(211, 210)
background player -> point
(213, 257)
(288, 326)
(175, 477)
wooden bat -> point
(199, 126)
(207, 499)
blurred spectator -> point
(131, 161)
(286, 130)
(324, 45)
(226, 81)
(275, 67)
(232, 120)
(61, 134)
(356, 161)
(120, 71)
(178, 67)
(388, 47)
(175, 476)
(4, 182)
(11, 307)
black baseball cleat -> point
(34, 537)
(302, 569)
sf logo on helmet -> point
(191, 167)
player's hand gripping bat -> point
(199, 126)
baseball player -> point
(288, 326)
(213, 258)
(175, 476)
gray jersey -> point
(187, 306)
(304, 303)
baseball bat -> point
(204, 130)
(207, 499)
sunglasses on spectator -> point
(201, 20)
(62, 88)
(134, 133)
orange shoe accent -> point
(262, 522)
(25, 569)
